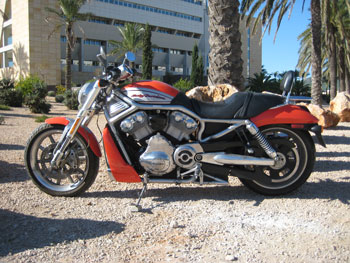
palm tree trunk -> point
(69, 47)
(332, 48)
(347, 81)
(342, 70)
(333, 67)
(225, 63)
(316, 60)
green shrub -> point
(183, 85)
(4, 107)
(60, 90)
(41, 118)
(59, 98)
(9, 95)
(6, 84)
(51, 93)
(28, 84)
(36, 99)
(71, 99)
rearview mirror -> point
(102, 57)
(103, 53)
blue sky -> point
(282, 54)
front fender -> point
(286, 114)
(83, 131)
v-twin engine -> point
(158, 157)
(141, 125)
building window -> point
(93, 42)
(7, 59)
(156, 10)
(99, 21)
(6, 56)
(158, 49)
(177, 52)
(7, 35)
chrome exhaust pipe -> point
(235, 159)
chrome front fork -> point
(83, 117)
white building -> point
(176, 26)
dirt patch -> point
(178, 223)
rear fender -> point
(83, 131)
(286, 114)
(297, 117)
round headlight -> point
(84, 92)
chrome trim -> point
(224, 132)
(83, 112)
(236, 159)
(269, 150)
(209, 158)
(121, 145)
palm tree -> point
(267, 9)
(225, 63)
(147, 56)
(329, 9)
(261, 82)
(334, 45)
(316, 59)
(132, 34)
(67, 15)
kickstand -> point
(137, 207)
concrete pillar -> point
(167, 61)
(81, 55)
(184, 73)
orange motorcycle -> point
(156, 134)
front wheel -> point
(296, 152)
(78, 169)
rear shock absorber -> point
(270, 151)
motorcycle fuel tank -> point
(150, 92)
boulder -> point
(326, 118)
(341, 106)
(212, 93)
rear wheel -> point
(296, 152)
(78, 169)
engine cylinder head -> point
(180, 125)
(136, 125)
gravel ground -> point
(178, 223)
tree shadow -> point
(331, 139)
(21, 232)
(324, 189)
(333, 154)
(5, 146)
(338, 128)
(331, 166)
(21, 60)
(17, 115)
(12, 172)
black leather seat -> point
(220, 110)
(241, 105)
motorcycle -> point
(156, 134)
